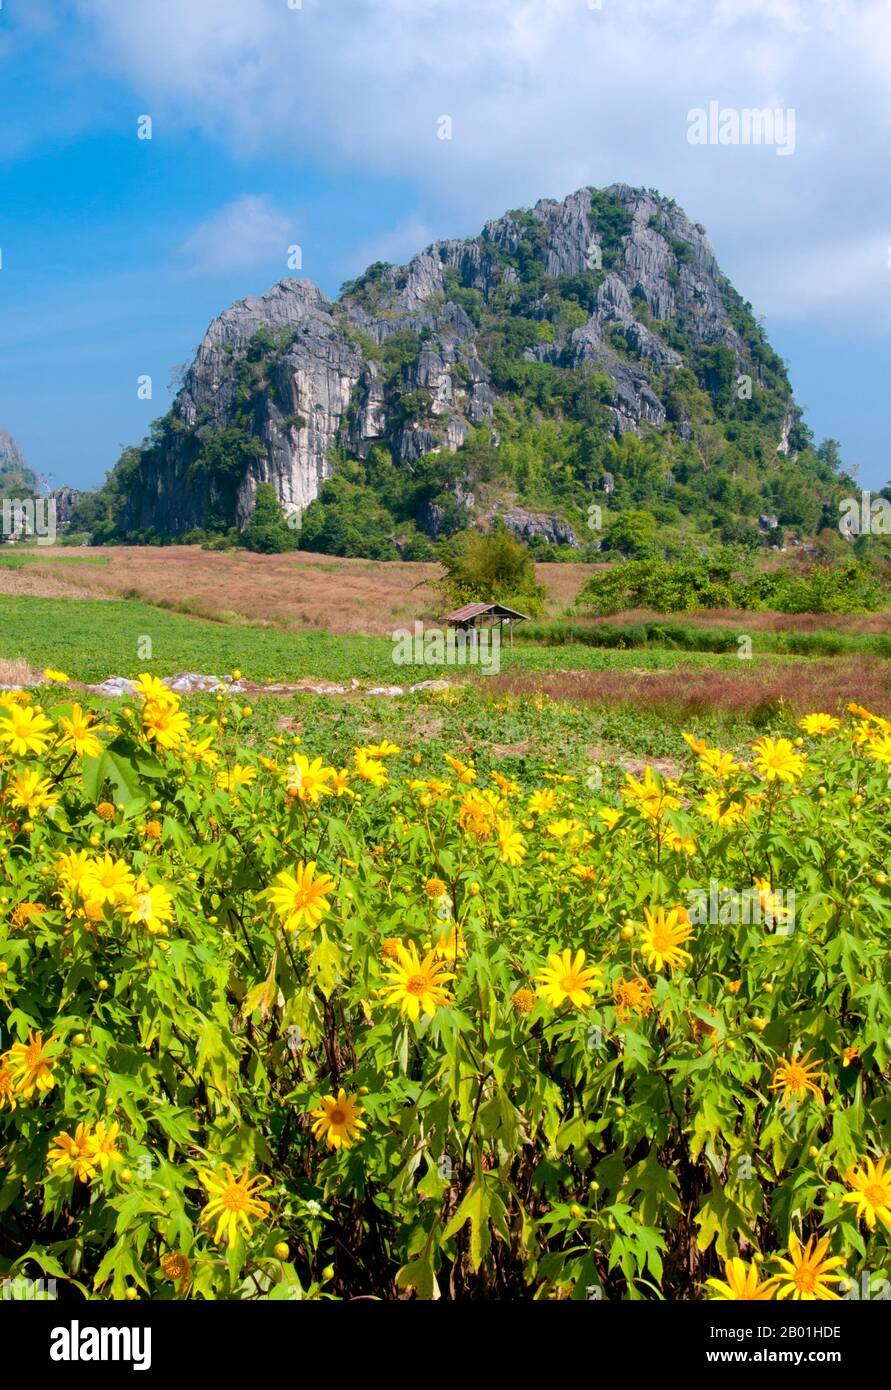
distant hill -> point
(583, 354)
(16, 478)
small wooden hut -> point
(474, 616)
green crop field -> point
(93, 639)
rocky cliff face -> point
(411, 357)
(16, 478)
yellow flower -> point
(879, 749)
(559, 829)
(714, 763)
(107, 880)
(777, 760)
(79, 734)
(23, 913)
(24, 730)
(105, 810)
(340, 783)
(301, 899)
(633, 997)
(31, 792)
(807, 1273)
(105, 1144)
(434, 888)
(235, 777)
(723, 809)
(338, 1120)
(742, 1284)
(77, 1153)
(541, 802)
(58, 677)
(73, 868)
(370, 769)
(796, 1077)
(819, 723)
(680, 844)
(31, 1064)
(872, 1191)
(450, 943)
(151, 906)
(511, 844)
(308, 781)
(164, 724)
(865, 714)
(150, 688)
(771, 903)
(662, 938)
(567, 979)
(478, 812)
(233, 1201)
(202, 751)
(698, 745)
(384, 749)
(416, 984)
(652, 797)
(466, 771)
(7, 1085)
(523, 1001)
(390, 947)
(610, 816)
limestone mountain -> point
(16, 478)
(582, 355)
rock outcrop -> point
(16, 478)
(286, 383)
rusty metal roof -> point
(476, 610)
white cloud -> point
(397, 246)
(546, 95)
(244, 233)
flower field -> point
(283, 1024)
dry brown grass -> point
(40, 582)
(15, 671)
(869, 623)
(802, 686)
(297, 591)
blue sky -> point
(316, 125)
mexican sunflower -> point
(795, 1078)
(662, 938)
(741, 1284)
(24, 730)
(777, 760)
(77, 1153)
(233, 1202)
(31, 1065)
(337, 1119)
(301, 898)
(872, 1191)
(567, 979)
(416, 984)
(807, 1273)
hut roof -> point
(477, 610)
